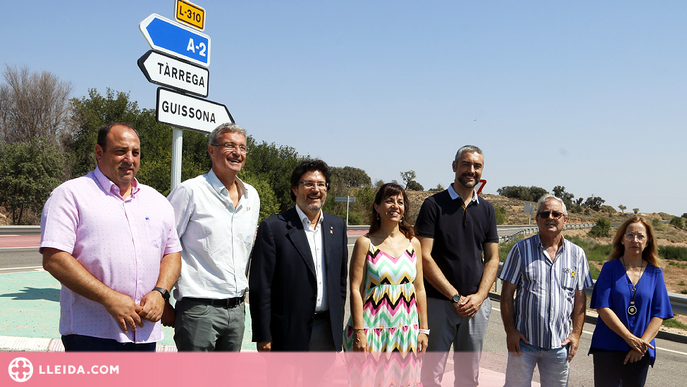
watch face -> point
(456, 298)
(164, 292)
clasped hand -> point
(127, 313)
(639, 345)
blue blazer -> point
(282, 282)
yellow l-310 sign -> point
(191, 14)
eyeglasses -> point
(230, 146)
(312, 184)
(546, 214)
(631, 237)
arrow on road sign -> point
(162, 69)
(166, 35)
(184, 111)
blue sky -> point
(589, 95)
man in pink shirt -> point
(112, 243)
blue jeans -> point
(552, 363)
(80, 343)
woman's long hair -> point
(391, 189)
(650, 253)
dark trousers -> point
(609, 369)
(80, 343)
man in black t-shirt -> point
(456, 228)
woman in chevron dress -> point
(388, 304)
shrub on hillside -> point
(602, 228)
(673, 252)
(677, 222)
(500, 214)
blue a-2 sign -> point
(166, 35)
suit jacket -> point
(282, 283)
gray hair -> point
(548, 197)
(468, 148)
(227, 127)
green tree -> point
(269, 205)
(90, 113)
(516, 192)
(407, 177)
(677, 222)
(636, 210)
(29, 171)
(602, 228)
(438, 188)
(274, 164)
(414, 186)
(622, 208)
(351, 177)
(537, 192)
(567, 197)
(594, 203)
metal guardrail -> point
(20, 230)
(534, 229)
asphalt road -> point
(669, 369)
(20, 259)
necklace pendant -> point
(632, 309)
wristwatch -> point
(456, 298)
(164, 292)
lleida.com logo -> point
(20, 369)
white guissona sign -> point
(187, 112)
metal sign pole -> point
(177, 142)
(348, 201)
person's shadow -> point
(28, 294)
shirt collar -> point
(218, 186)
(108, 186)
(562, 248)
(454, 195)
(304, 218)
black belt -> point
(321, 315)
(227, 302)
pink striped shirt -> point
(119, 241)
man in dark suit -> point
(298, 271)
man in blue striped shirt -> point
(544, 320)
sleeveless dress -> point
(390, 320)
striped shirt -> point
(545, 289)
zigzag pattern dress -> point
(391, 321)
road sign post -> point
(347, 199)
(177, 50)
(529, 210)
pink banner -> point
(172, 369)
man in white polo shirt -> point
(216, 218)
